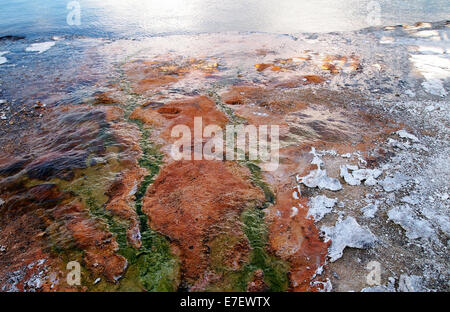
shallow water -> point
(150, 17)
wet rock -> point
(99, 245)
(74, 145)
(330, 67)
(314, 79)
(104, 99)
(39, 105)
(121, 192)
(292, 236)
(273, 101)
(181, 112)
(230, 251)
(13, 167)
(347, 233)
(112, 266)
(57, 165)
(42, 218)
(184, 111)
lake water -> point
(134, 18)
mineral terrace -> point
(86, 173)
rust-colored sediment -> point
(190, 201)
(257, 284)
(104, 98)
(25, 236)
(121, 201)
(181, 112)
(198, 205)
(150, 76)
(40, 219)
(98, 244)
(294, 238)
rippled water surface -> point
(149, 17)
